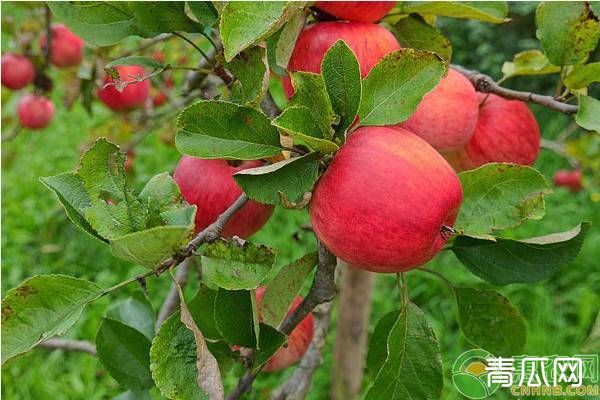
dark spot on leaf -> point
(25, 291)
(7, 312)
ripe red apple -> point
(17, 71)
(297, 343)
(384, 201)
(209, 185)
(35, 112)
(134, 94)
(506, 131)
(569, 179)
(67, 47)
(447, 116)
(358, 11)
(369, 42)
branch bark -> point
(297, 385)
(322, 290)
(485, 84)
(72, 345)
(352, 332)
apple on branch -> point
(358, 11)
(17, 71)
(133, 95)
(35, 111)
(66, 48)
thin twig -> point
(269, 106)
(485, 84)
(192, 43)
(322, 290)
(48, 49)
(172, 300)
(71, 345)
(297, 385)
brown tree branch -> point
(485, 84)
(269, 106)
(72, 345)
(322, 290)
(297, 385)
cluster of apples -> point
(36, 111)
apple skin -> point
(67, 47)
(369, 42)
(506, 131)
(569, 179)
(210, 186)
(134, 95)
(17, 71)
(381, 204)
(297, 343)
(357, 11)
(447, 116)
(35, 112)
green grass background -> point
(38, 239)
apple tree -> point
(395, 152)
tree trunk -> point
(352, 331)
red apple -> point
(134, 94)
(209, 185)
(17, 71)
(569, 179)
(447, 116)
(369, 42)
(67, 47)
(297, 343)
(35, 112)
(129, 161)
(358, 11)
(506, 131)
(384, 201)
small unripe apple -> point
(66, 47)
(569, 179)
(386, 201)
(209, 185)
(358, 11)
(17, 71)
(297, 342)
(506, 131)
(35, 112)
(369, 42)
(134, 95)
(447, 116)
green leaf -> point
(292, 177)
(201, 307)
(395, 86)
(377, 351)
(244, 24)
(234, 317)
(529, 62)
(135, 312)
(507, 261)
(151, 246)
(272, 42)
(487, 11)
(133, 395)
(490, 321)
(231, 265)
(71, 193)
(42, 307)
(341, 75)
(588, 116)
(568, 31)
(173, 361)
(161, 192)
(251, 68)
(204, 11)
(413, 32)
(282, 290)
(269, 342)
(287, 39)
(500, 196)
(413, 355)
(217, 129)
(592, 343)
(105, 23)
(136, 60)
(125, 352)
(309, 114)
(582, 76)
